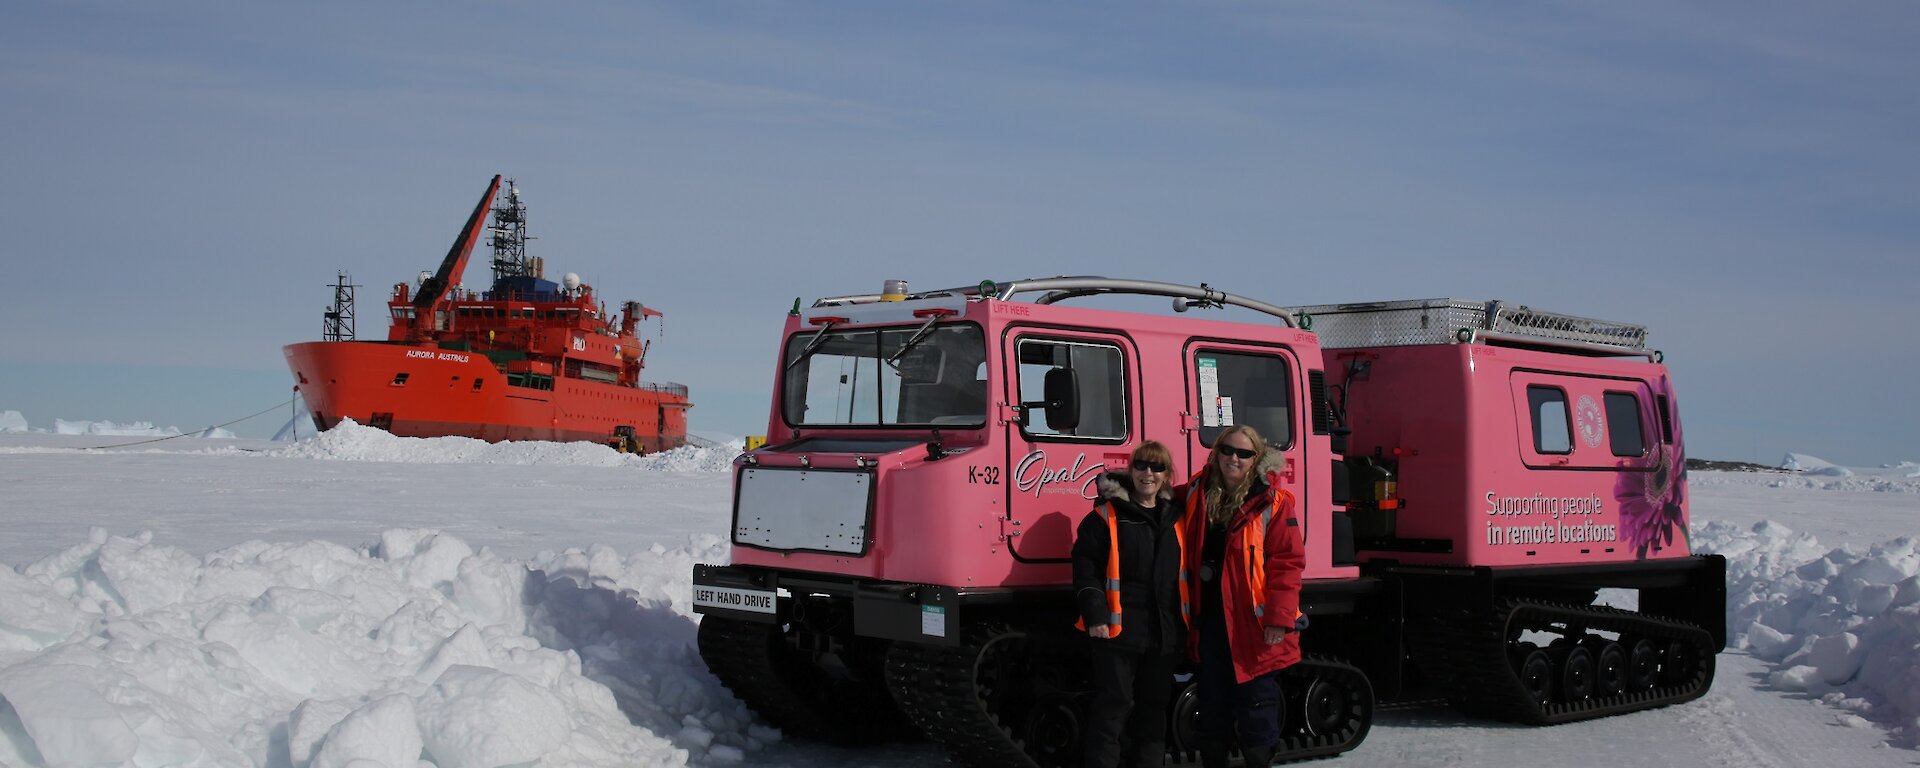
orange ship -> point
(529, 359)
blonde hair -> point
(1223, 502)
(1154, 450)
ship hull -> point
(424, 391)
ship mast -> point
(510, 238)
(339, 325)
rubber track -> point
(1471, 650)
(1299, 745)
(741, 654)
(936, 688)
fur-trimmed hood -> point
(1118, 486)
(1271, 463)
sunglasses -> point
(1228, 450)
(1149, 466)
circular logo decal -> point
(1590, 420)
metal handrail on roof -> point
(1059, 289)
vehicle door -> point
(1231, 384)
(1073, 394)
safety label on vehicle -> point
(754, 600)
(933, 620)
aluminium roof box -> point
(1454, 321)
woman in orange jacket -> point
(1244, 556)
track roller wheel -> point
(1328, 706)
(1535, 670)
(1676, 665)
(1575, 673)
(1643, 666)
(1183, 728)
(1610, 669)
(1052, 731)
(1328, 709)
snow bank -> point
(723, 440)
(1841, 625)
(353, 442)
(12, 421)
(134, 429)
(121, 651)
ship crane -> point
(431, 302)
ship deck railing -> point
(665, 388)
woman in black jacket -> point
(1127, 560)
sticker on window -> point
(1209, 370)
(1223, 412)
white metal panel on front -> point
(802, 509)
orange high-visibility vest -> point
(1113, 571)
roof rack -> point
(1464, 321)
(1059, 289)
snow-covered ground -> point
(364, 597)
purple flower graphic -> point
(1652, 511)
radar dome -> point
(571, 281)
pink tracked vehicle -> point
(1471, 476)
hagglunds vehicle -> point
(1493, 497)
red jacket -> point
(1260, 575)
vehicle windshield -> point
(859, 377)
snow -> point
(314, 653)
(1803, 471)
(361, 599)
(14, 421)
(352, 442)
(1842, 625)
(135, 429)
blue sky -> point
(179, 181)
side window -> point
(1239, 388)
(1552, 432)
(1097, 408)
(1623, 425)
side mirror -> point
(1062, 391)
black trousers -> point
(1127, 718)
(1225, 702)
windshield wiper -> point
(813, 344)
(933, 316)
